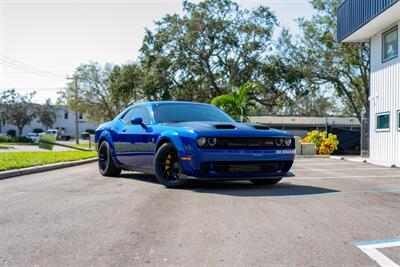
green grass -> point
(18, 144)
(17, 160)
(83, 145)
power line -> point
(26, 70)
(32, 88)
(12, 63)
(19, 63)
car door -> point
(136, 142)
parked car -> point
(35, 137)
(52, 132)
(59, 134)
(180, 141)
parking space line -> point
(379, 168)
(340, 177)
(371, 249)
(337, 193)
(328, 163)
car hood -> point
(234, 129)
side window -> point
(390, 44)
(143, 113)
(383, 122)
(125, 118)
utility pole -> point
(75, 78)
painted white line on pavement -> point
(371, 249)
(336, 169)
(340, 177)
(326, 164)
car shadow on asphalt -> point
(139, 177)
(247, 189)
(240, 188)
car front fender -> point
(174, 138)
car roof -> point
(157, 103)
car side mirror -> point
(136, 121)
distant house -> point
(301, 125)
(378, 22)
(65, 119)
(347, 129)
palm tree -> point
(238, 104)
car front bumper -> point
(218, 164)
(239, 178)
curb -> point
(364, 160)
(337, 157)
(43, 168)
(313, 156)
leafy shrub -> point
(22, 139)
(38, 130)
(5, 139)
(12, 133)
(10, 139)
(326, 143)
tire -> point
(105, 162)
(266, 181)
(167, 167)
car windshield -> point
(190, 112)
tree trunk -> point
(20, 131)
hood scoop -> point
(225, 126)
(261, 127)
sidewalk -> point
(360, 159)
(31, 148)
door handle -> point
(124, 130)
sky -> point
(43, 41)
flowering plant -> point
(326, 143)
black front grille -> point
(252, 167)
(248, 142)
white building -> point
(65, 119)
(378, 22)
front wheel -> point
(167, 167)
(106, 164)
(266, 181)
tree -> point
(328, 64)
(212, 50)
(46, 114)
(2, 111)
(238, 104)
(19, 109)
(103, 91)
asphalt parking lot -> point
(332, 213)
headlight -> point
(279, 141)
(212, 141)
(201, 141)
(288, 142)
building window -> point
(398, 120)
(66, 115)
(383, 122)
(80, 116)
(390, 44)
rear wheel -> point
(167, 167)
(106, 164)
(266, 181)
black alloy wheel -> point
(167, 167)
(106, 164)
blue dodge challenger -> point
(181, 141)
